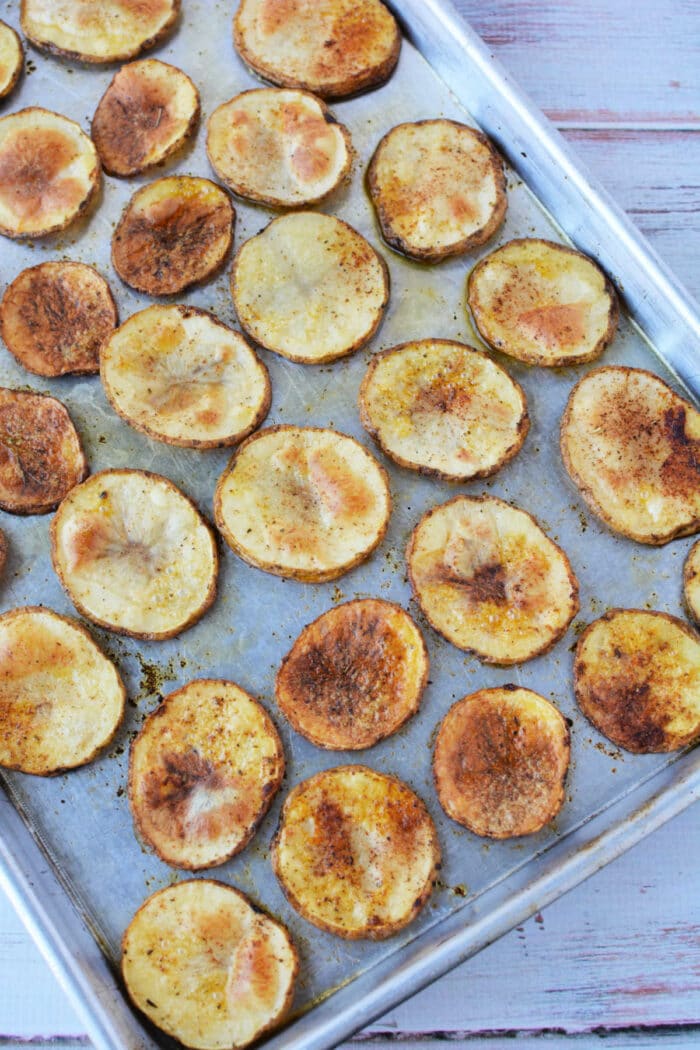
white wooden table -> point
(620, 956)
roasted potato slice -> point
(444, 409)
(543, 303)
(134, 554)
(500, 762)
(637, 679)
(632, 446)
(49, 172)
(174, 232)
(279, 147)
(309, 287)
(54, 318)
(3, 552)
(207, 966)
(41, 457)
(354, 675)
(181, 376)
(356, 852)
(488, 579)
(438, 189)
(203, 772)
(108, 31)
(145, 115)
(691, 581)
(61, 699)
(303, 502)
(11, 59)
(334, 49)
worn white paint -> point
(622, 951)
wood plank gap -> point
(450, 1036)
(627, 125)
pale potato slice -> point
(356, 852)
(11, 59)
(438, 189)
(134, 554)
(334, 49)
(488, 579)
(303, 502)
(637, 679)
(632, 446)
(500, 762)
(278, 147)
(61, 699)
(54, 318)
(203, 772)
(543, 303)
(41, 457)
(49, 172)
(174, 232)
(148, 111)
(108, 31)
(309, 287)
(443, 409)
(207, 966)
(354, 675)
(181, 376)
(691, 581)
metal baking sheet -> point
(81, 821)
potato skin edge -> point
(14, 79)
(150, 636)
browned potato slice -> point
(309, 287)
(632, 445)
(3, 552)
(443, 408)
(11, 59)
(41, 457)
(174, 232)
(281, 148)
(207, 966)
(438, 188)
(333, 49)
(303, 502)
(637, 679)
(181, 376)
(204, 770)
(144, 116)
(691, 581)
(108, 31)
(54, 318)
(500, 762)
(356, 852)
(49, 172)
(543, 303)
(61, 699)
(354, 675)
(488, 578)
(134, 554)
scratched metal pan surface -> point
(81, 821)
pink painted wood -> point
(620, 955)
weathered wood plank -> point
(593, 60)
